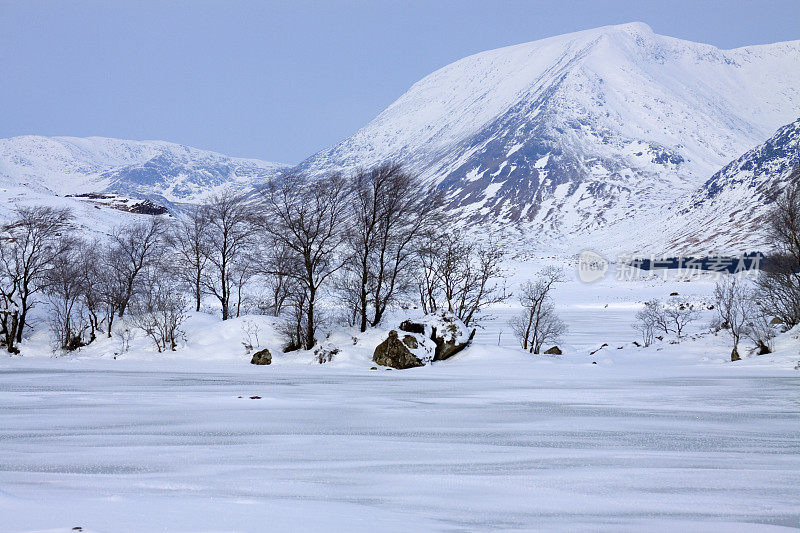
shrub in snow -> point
(325, 352)
(251, 329)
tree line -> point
(367, 241)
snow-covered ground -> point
(670, 437)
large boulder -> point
(395, 354)
(449, 343)
(449, 334)
(263, 357)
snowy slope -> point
(163, 171)
(728, 211)
(726, 214)
(571, 133)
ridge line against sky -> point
(280, 81)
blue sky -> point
(282, 80)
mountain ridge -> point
(568, 134)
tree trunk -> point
(311, 326)
(735, 354)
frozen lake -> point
(120, 446)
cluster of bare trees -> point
(740, 312)
(368, 241)
(538, 322)
(747, 309)
(460, 275)
(85, 283)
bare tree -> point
(295, 327)
(734, 305)
(672, 317)
(272, 262)
(462, 273)
(29, 244)
(230, 233)
(538, 322)
(646, 325)
(307, 217)
(779, 282)
(159, 308)
(679, 314)
(134, 248)
(188, 239)
(90, 272)
(390, 210)
(429, 283)
(760, 331)
(65, 290)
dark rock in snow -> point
(393, 353)
(412, 327)
(263, 357)
(555, 350)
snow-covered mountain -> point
(570, 134)
(161, 171)
(727, 212)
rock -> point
(374, 368)
(555, 350)
(600, 348)
(263, 357)
(775, 321)
(673, 294)
(735, 355)
(447, 348)
(411, 342)
(412, 327)
(393, 353)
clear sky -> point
(280, 80)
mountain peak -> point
(567, 134)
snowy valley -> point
(211, 343)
